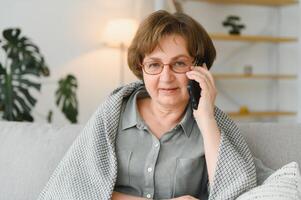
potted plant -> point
(233, 22)
(20, 71)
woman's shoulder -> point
(127, 88)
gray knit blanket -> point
(88, 171)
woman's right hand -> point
(186, 197)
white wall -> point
(69, 34)
(299, 68)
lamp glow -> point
(119, 31)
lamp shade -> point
(119, 31)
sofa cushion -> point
(276, 144)
(29, 152)
(284, 184)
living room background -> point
(69, 34)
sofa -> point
(29, 152)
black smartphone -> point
(194, 88)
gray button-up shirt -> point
(171, 166)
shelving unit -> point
(246, 113)
(254, 2)
(255, 76)
(261, 114)
(251, 38)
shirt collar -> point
(131, 116)
(187, 121)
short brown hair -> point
(162, 23)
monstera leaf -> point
(20, 72)
(22, 65)
(66, 97)
(2, 74)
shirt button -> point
(148, 196)
(149, 169)
(157, 144)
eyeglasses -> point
(156, 67)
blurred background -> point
(256, 71)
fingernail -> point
(188, 73)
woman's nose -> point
(167, 74)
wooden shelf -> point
(253, 76)
(261, 114)
(255, 2)
(251, 38)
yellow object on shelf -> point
(243, 110)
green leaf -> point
(49, 116)
(28, 96)
(17, 111)
(66, 97)
(23, 104)
(29, 72)
(2, 70)
(26, 116)
(7, 99)
(25, 60)
(29, 83)
(11, 34)
(21, 49)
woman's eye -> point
(179, 64)
(154, 65)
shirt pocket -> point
(188, 176)
(123, 165)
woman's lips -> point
(168, 90)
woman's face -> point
(168, 89)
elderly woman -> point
(146, 141)
(162, 145)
